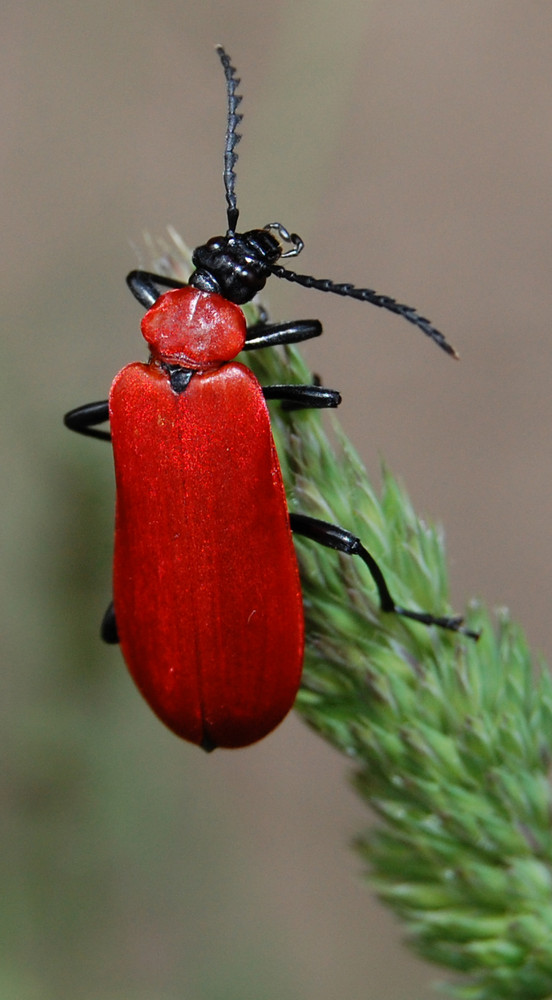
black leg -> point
(108, 629)
(143, 285)
(270, 334)
(302, 397)
(341, 540)
(83, 418)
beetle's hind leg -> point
(108, 629)
(334, 537)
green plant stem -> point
(450, 739)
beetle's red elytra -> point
(207, 599)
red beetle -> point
(207, 601)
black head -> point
(238, 264)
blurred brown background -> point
(409, 144)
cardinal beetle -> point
(207, 602)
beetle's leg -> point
(108, 629)
(302, 397)
(83, 419)
(338, 538)
(270, 334)
(143, 285)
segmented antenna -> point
(367, 295)
(307, 281)
(232, 138)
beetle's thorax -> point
(193, 328)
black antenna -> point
(232, 138)
(296, 244)
(367, 295)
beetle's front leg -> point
(270, 334)
(143, 285)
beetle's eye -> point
(217, 243)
